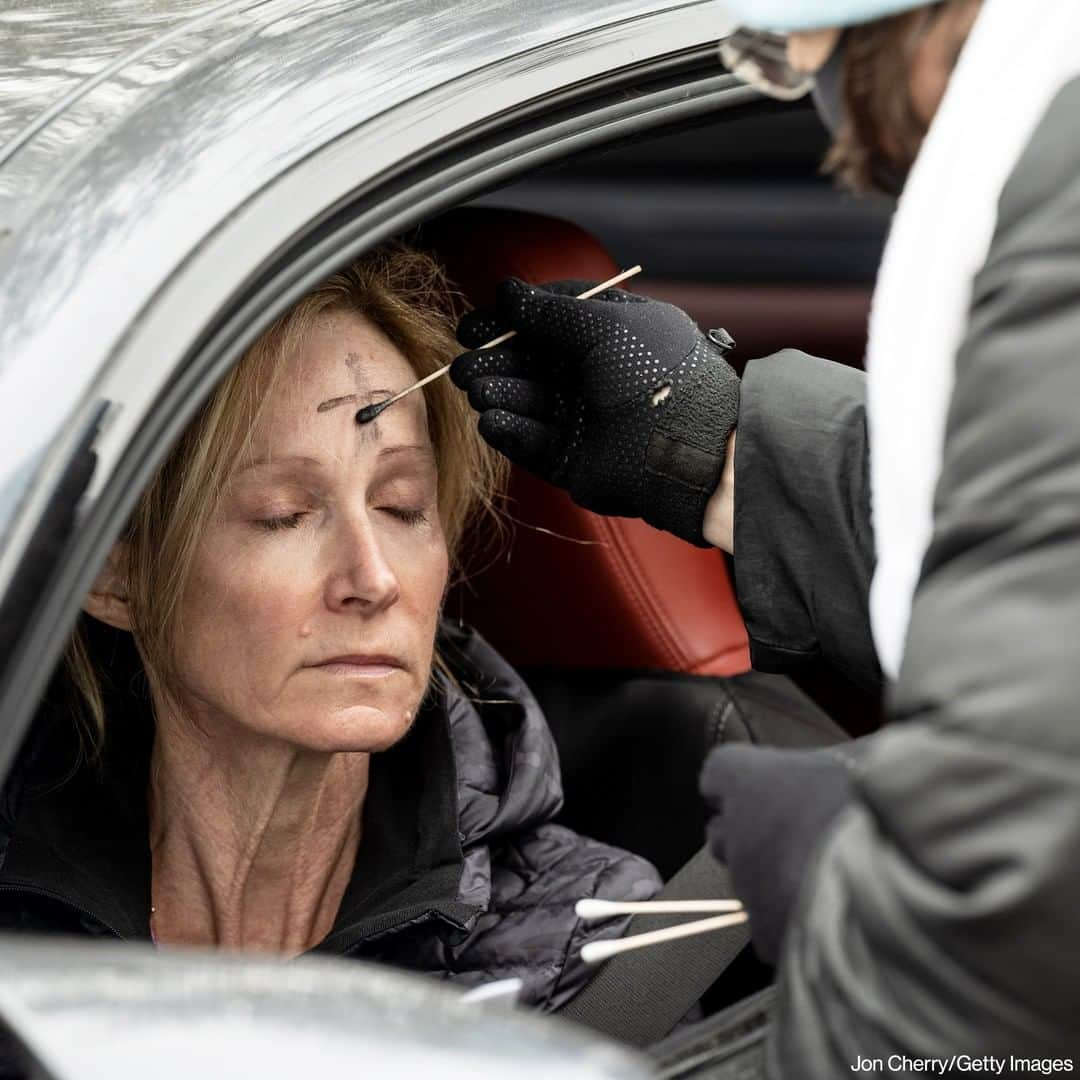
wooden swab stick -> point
(595, 951)
(603, 909)
(369, 412)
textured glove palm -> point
(621, 400)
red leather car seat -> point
(572, 589)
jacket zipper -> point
(343, 949)
(34, 890)
(355, 939)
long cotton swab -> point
(369, 412)
(604, 909)
(596, 951)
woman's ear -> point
(108, 596)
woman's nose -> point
(363, 577)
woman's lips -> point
(361, 667)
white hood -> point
(1019, 56)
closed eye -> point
(410, 517)
(291, 521)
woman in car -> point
(283, 748)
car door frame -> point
(413, 183)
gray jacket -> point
(942, 915)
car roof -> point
(133, 128)
(46, 58)
(69, 84)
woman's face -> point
(311, 612)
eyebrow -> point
(326, 406)
(402, 448)
(334, 402)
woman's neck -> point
(252, 841)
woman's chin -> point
(357, 729)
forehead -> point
(345, 348)
(343, 354)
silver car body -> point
(125, 1012)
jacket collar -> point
(476, 769)
(84, 840)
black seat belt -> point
(639, 996)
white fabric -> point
(1020, 54)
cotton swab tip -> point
(591, 908)
(595, 909)
(369, 412)
(596, 952)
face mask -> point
(827, 90)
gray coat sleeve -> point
(944, 912)
(803, 539)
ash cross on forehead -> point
(362, 396)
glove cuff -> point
(684, 458)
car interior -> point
(631, 639)
(734, 222)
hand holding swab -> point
(604, 909)
(595, 951)
(369, 412)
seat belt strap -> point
(639, 996)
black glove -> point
(619, 399)
(771, 810)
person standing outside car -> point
(918, 527)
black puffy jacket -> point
(462, 875)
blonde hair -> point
(406, 295)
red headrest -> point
(574, 589)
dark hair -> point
(881, 132)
